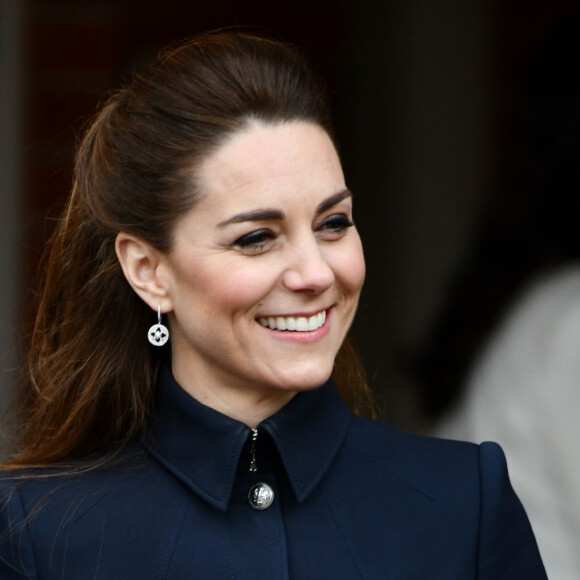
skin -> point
(271, 236)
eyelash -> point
(336, 223)
(256, 241)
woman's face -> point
(265, 271)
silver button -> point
(260, 496)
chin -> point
(306, 379)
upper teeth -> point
(297, 323)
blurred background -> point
(442, 113)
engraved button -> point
(260, 496)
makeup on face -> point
(266, 270)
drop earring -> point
(158, 334)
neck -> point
(249, 405)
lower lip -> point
(302, 337)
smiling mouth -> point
(294, 323)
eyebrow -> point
(333, 200)
(268, 214)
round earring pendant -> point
(158, 335)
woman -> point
(209, 191)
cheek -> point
(232, 288)
(350, 267)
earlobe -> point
(140, 262)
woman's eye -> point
(336, 225)
(254, 242)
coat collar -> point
(202, 447)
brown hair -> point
(90, 376)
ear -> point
(140, 262)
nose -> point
(309, 270)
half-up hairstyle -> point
(89, 381)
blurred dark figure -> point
(504, 361)
(531, 225)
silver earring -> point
(158, 334)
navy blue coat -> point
(353, 499)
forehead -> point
(268, 161)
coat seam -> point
(172, 542)
(480, 518)
(425, 492)
(25, 527)
(344, 535)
